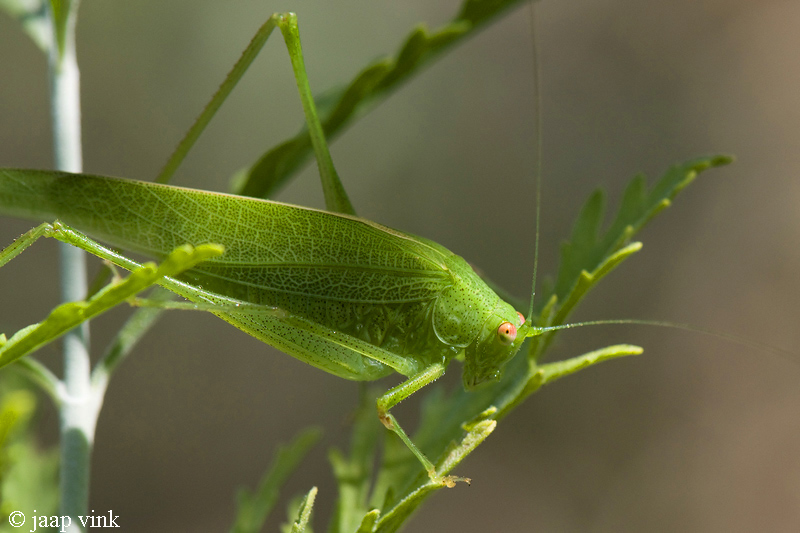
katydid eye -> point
(506, 333)
(521, 318)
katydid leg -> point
(399, 393)
(336, 199)
(211, 302)
(18, 246)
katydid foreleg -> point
(399, 393)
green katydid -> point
(347, 295)
(352, 297)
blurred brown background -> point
(696, 435)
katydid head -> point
(500, 339)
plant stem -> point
(79, 409)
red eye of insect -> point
(521, 318)
(507, 332)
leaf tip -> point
(721, 160)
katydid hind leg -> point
(336, 198)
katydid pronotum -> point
(397, 365)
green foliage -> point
(28, 474)
(354, 473)
(458, 422)
(253, 508)
(62, 11)
(589, 251)
(590, 254)
(33, 17)
(302, 509)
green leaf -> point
(339, 108)
(303, 514)
(16, 408)
(132, 331)
(63, 11)
(254, 508)
(392, 519)
(370, 522)
(551, 372)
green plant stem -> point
(79, 408)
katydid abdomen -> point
(357, 299)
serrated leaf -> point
(455, 421)
(589, 254)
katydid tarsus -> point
(407, 290)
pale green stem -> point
(79, 406)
